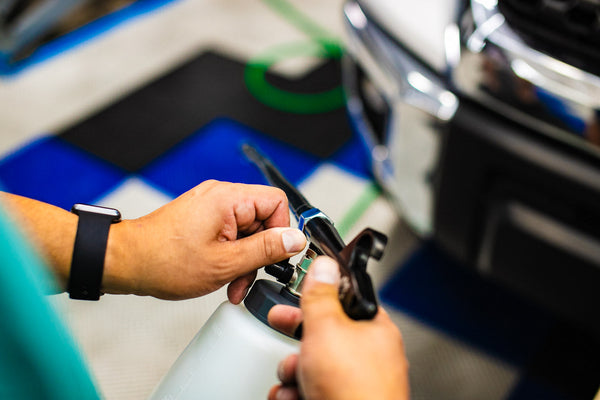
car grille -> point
(566, 29)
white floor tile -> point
(135, 198)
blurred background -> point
(461, 129)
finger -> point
(280, 392)
(320, 301)
(285, 319)
(272, 206)
(273, 392)
(286, 370)
(237, 290)
(382, 319)
(382, 316)
(266, 247)
(261, 203)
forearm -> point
(50, 229)
(214, 234)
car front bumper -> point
(495, 156)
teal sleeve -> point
(38, 359)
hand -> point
(339, 358)
(214, 234)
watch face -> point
(110, 212)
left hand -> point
(214, 234)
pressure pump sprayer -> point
(236, 353)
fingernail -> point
(293, 240)
(325, 270)
(281, 371)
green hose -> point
(321, 45)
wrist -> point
(121, 260)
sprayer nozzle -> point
(252, 153)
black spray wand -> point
(356, 290)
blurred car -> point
(482, 120)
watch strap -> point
(87, 265)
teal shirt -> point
(38, 359)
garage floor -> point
(141, 105)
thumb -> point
(268, 246)
(320, 301)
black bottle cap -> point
(264, 295)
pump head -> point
(356, 289)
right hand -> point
(339, 358)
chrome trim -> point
(498, 69)
(311, 214)
(419, 102)
(109, 212)
(409, 80)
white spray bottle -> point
(235, 354)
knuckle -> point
(280, 193)
(282, 197)
(270, 248)
(210, 184)
(321, 298)
(206, 187)
(392, 334)
(276, 194)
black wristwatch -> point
(87, 265)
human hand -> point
(215, 233)
(339, 358)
